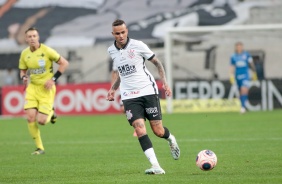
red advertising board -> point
(71, 99)
(12, 99)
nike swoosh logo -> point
(154, 115)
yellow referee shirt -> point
(39, 63)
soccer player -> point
(240, 63)
(139, 91)
(37, 60)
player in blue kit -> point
(240, 63)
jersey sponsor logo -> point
(241, 64)
(129, 115)
(130, 93)
(152, 110)
(37, 71)
(131, 53)
(127, 69)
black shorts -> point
(143, 107)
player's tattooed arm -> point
(116, 83)
(161, 71)
(160, 68)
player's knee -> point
(139, 127)
(159, 132)
(41, 121)
(157, 127)
(244, 92)
(30, 119)
(140, 130)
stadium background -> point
(81, 32)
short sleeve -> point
(114, 68)
(145, 51)
(22, 64)
(232, 61)
(53, 55)
(250, 58)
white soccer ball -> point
(206, 160)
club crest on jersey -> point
(129, 115)
(131, 53)
(126, 69)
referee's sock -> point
(35, 134)
(147, 147)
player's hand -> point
(25, 79)
(49, 84)
(254, 76)
(167, 90)
(232, 80)
(111, 95)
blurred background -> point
(81, 32)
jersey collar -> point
(124, 47)
(35, 49)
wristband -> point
(56, 76)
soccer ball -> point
(206, 160)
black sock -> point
(166, 133)
(145, 142)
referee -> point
(37, 59)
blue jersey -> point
(241, 63)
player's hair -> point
(239, 43)
(118, 22)
(31, 29)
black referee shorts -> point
(145, 107)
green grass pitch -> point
(101, 149)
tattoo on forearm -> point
(116, 84)
(160, 68)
